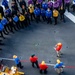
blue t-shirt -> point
(17, 60)
(8, 11)
(5, 3)
(4, 21)
(42, 12)
(37, 12)
(48, 13)
(16, 19)
(59, 65)
(1, 27)
(45, 6)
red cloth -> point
(58, 48)
(33, 59)
(60, 45)
(43, 67)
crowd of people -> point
(12, 19)
(39, 10)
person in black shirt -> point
(27, 19)
(22, 2)
(62, 11)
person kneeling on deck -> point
(58, 48)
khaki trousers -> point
(59, 70)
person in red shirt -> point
(43, 67)
(58, 47)
(34, 60)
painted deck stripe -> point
(70, 16)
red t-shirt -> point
(58, 48)
(33, 59)
(43, 67)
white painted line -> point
(50, 64)
(70, 16)
(6, 59)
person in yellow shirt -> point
(22, 20)
(55, 15)
(31, 11)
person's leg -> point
(5, 32)
(45, 71)
(61, 70)
(47, 20)
(37, 64)
(58, 71)
(50, 21)
(33, 15)
(17, 25)
(11, 29)
(68, 7)
(22, 24)
(55, 20)
(73, 7)
(58, 54)
(37, 19)
(28, 20)
(40, 71)
(33, 64)
(20, 65)
(63, 18)
(6, 28)
(14, 26)
(60, 16)
(42, 18)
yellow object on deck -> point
(22, 73)
(12, 71)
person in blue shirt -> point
(49, 16)
(59, 66)
(5, 3)
(11, 25)
(4, 31)
(17, 61)
(43, 14)
(37, 14)
(7, 12)
(44, 5)
(16, 21)
(4, 22)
